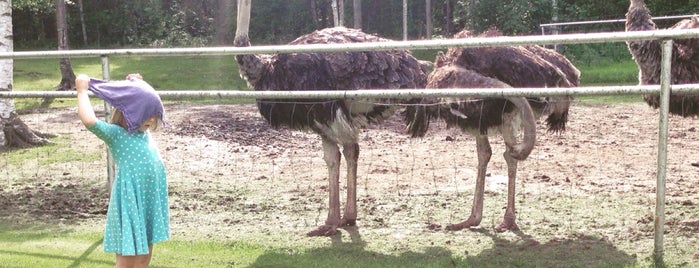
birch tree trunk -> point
(405, 19)
(14, 132)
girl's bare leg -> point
(137, 261)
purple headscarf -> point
(135, 98)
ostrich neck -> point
(250, 66)
(647, 53)
(638, 17)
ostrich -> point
(337, 121)
(647, 55)
(497, 67)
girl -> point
(138, 215)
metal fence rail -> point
(382, 93)
(663, 89)
(410, 45)
(570, 23)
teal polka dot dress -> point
(138, 206)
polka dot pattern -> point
(138, 206)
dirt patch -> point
(233, 176)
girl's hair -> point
(118, 118)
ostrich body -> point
(337, 121)
(647, 55)
(497, 67)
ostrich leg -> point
(331, 154)
(508, 222)
(484, 153)
(351, 153)
(508, 134)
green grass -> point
(61, 246)
(164, 73)
(609, 73)
(221, 73)
(50, 154)
(606, 74)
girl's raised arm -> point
(85, 110)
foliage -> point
(139, 23)
(187, 23)
(38, 6)
(512, 17)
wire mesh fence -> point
(228, 170)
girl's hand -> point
(134, 76)
(85, 111)
(81, 83)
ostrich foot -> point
(463, 225)
(347, 222)
(323, 230)
(331, 229)
(508, 224)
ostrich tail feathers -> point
(417, 117)
(556, 122)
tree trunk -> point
(14, 132)
(428, 19)
(357, 14)
(314, 13)
(67, 74)
(82, 21)
(341, 12)
(336, 21)
(448, 17)
(405, 19)
(223, 21)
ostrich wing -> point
(686, 54)
(335, 71)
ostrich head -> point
(646, 53)
(251, 67)
(638, 17)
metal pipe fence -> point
(570, 23)
(383, 93)
(391, 45)
(663, 89)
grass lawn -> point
(64, 246)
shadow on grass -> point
(578, 251)
(80, 261)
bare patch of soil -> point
(233, 177)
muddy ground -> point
(588, 193)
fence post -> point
(107, 115)
(665, 68)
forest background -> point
(200, 23)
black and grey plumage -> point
(337, 121)
(496, 67)
(647, 55)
